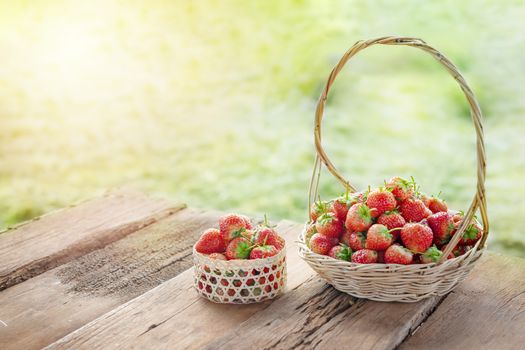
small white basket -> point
(239, 281)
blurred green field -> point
(212, 102)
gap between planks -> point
(487, 311)
(174, 309)
(40, 245)
(49, 306)
(311, 313)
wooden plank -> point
(165, 316)
(52, 240)
(55, 303)
(486, 311)
(316, 315)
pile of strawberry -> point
(235, 239)
(394, 224)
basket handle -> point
(479, 200)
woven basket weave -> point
(392, 282)
(239, 281)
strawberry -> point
(442, 227)
(210, 242)
(435, 204)
(233, 226)
(340, 209)
(456, 216)
(341, 205)
(414, 210)
(416, 237)
(380, 201)
(310, 231)
(359, 218)
(365, 256)
(320, 244)
(264, 251)
(329, 225)
(431, 255)
(238, 248)
(333, 240)
(357, 241)
(392, 220)
(471, 235)
(247, 221)
(268, 236)
(217, 256)
(319, 208)
(457, 251)
(345, 238)
(340, 252)
(397, 254)
(378, 237)
(401, 189)
(381, 256)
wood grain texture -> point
(486, 311)
(52, 240)
(173, 316)
(55, 303)
(317, 316)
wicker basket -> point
(392, 282)
(239, 281)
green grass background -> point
(212, 102)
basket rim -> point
(384, 266)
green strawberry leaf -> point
(433, 253)
(238, 233)
(345, 253)
(243, 250)
(325, 219)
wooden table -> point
(115, 272)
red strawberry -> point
(320, 244)
(357, 241)
(345, 238)
(416, 237)
(365, 256)
(233, 226)
(340, 208)
(359, 218)
(329, 225)
(333, 240)
(442, 227)
(456, 216)
(435, 204)
(378, 237)
(414, 210)
(471, 235)
(391, 220)
(268, 236)
(341, 205)
(247, 221)
(381, 256)
(262, 252)
(431, 255)
(397, 254)
(401, 189)
(310, 231)
(238, 248)
(210, 242)
(318, 208)
(217, 256)
(340, 252)
(380, 201)
(457, 251)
